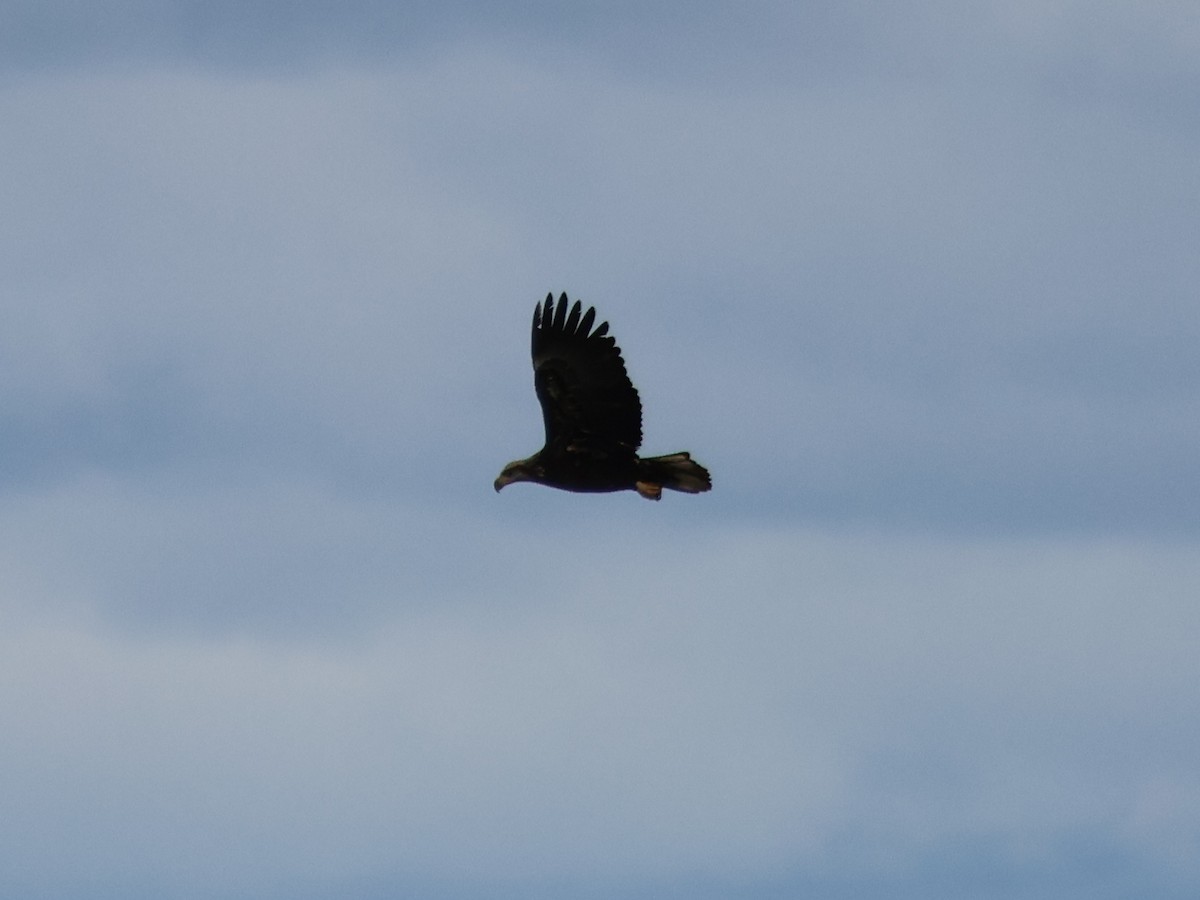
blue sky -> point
(916, 284)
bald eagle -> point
(592, 415)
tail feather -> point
(676, 471)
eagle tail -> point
(677, 471)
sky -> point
(916, 282)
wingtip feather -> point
(573, 318)
(585, 324)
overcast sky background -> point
(916, 281)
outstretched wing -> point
(587, 398)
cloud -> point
(917, 286)
(947, 313)
(731, 712)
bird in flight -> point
(592, 414)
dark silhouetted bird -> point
(592, 415)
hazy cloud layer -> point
(917, 285)
(967, 304)
(797, 707)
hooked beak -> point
(514, 471)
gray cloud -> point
(917, 286)
(950, 306)
(754, 718)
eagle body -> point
(592, 414)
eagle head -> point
(518, 470)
